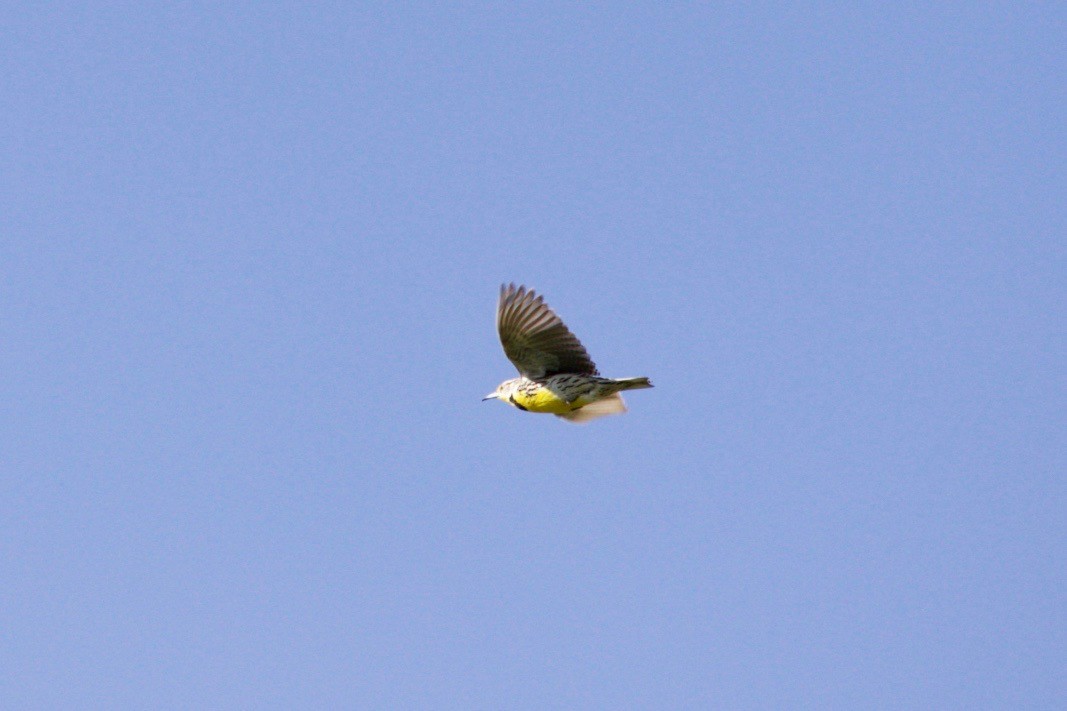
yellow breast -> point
(542, 400)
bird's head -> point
(503, 390)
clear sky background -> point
(249, 261)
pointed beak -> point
(490, 396)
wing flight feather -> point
(535, 339)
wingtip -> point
(513, 288)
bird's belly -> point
(543, 400)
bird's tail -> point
(633, 383)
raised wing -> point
(534, 337)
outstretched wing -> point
(534, 337)
(611, 405)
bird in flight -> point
(556, 373)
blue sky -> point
(249, 261)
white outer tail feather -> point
(634, 383)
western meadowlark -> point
(557, 374)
